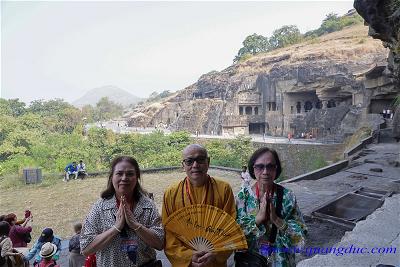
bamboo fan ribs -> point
(204, 227)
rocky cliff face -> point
(276, 92)
(383, 18)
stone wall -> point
(298, 159)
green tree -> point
(7, 125)
(68, 119)
(252, 45)
(18, 142)
(88, 113)
(284, 36)
(255, 43)
(179, 140)
(331, 23)
(12, 107)
(101, 142)
(48, 108)
(242, 148)
(106, 109)
(4, 107)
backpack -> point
(250, 259)
(27, 238)
(52, 264)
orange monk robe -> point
(219, 194)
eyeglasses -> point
(190, 161)
(261, 167)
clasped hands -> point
(202, 259)
(263, 217)
(125, 215)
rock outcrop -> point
(299, 89)
(383, 18)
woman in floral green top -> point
(273, 230)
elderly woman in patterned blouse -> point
(268, 213)
(123, 226)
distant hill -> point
(113, 93)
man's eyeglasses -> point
(261, 167)
(190, 161)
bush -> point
(17, 163)
(233, 153)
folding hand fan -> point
(204, 227)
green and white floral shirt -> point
(287, 241)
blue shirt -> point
(71, 168)
(38, 246)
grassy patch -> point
(17, 181)
(11, 181)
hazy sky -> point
(64, 48)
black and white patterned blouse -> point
(103, 216)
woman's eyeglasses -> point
(261, 167)
(190, 161)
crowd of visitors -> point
(124, 227)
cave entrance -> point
(378, 105)
(256, 128)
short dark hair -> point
(4, 228)
(110, 190)
(257, 154)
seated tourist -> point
(46, 236)
(81, 169)
(47, 252)
(71, 169)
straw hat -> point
(48, 250)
